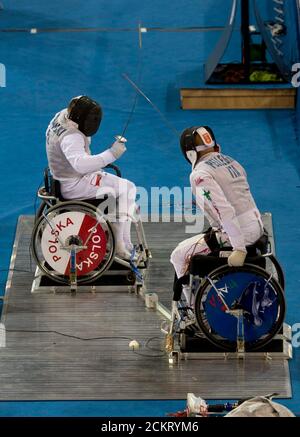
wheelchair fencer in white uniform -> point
(84, 222)
(221, 273)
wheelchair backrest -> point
(52, 186)
(47, 180)
(262, 243)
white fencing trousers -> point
(181, 255)
(196, 245)
(125, 191)
(95, 185)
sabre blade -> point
(166, 121)
(138, 79)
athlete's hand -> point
(237, 258)
(118, 147)
(120, 139)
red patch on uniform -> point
(96, 180)
(199, 181)
(207, 138)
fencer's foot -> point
(122, 252)
(125, 251)
(126, 255)
(134, 258)
(129, 247)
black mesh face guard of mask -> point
(187, 141)
(86, 113)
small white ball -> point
(33, 30)
(134, 344)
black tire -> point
(202, 295)
(279, 271)
(37, 234)
(41, 209)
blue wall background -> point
(45, 70)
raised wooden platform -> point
(61, 346)
(238, 98)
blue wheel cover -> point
(257, 298)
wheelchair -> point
(237, 309)
(73, 241)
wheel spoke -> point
(214, 311)
(97, 234)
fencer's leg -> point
(189, 296)
(125, 192)
(181, 255)
(131, 196)
(126, 209)
(109, 207)
(121, 251)
(180, 259)
(127, 235)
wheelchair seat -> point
(52, 187)
(202, 265)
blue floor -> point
(45, 70)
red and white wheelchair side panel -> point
(55, 238)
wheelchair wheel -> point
(82, 223)
(274, 266)
(249, 288)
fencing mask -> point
(196, 139)
(86, 113)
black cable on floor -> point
(67, 335)
(88, 339)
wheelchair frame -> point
(52, 200)
(197, 284)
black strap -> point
(177, 286)
(211, 240)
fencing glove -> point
(118, 147)
(237, 258)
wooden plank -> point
(238, 103)
(238, 98)
(232, 92)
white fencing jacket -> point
(220, 186)
(68, 151)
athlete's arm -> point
(73, 148)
